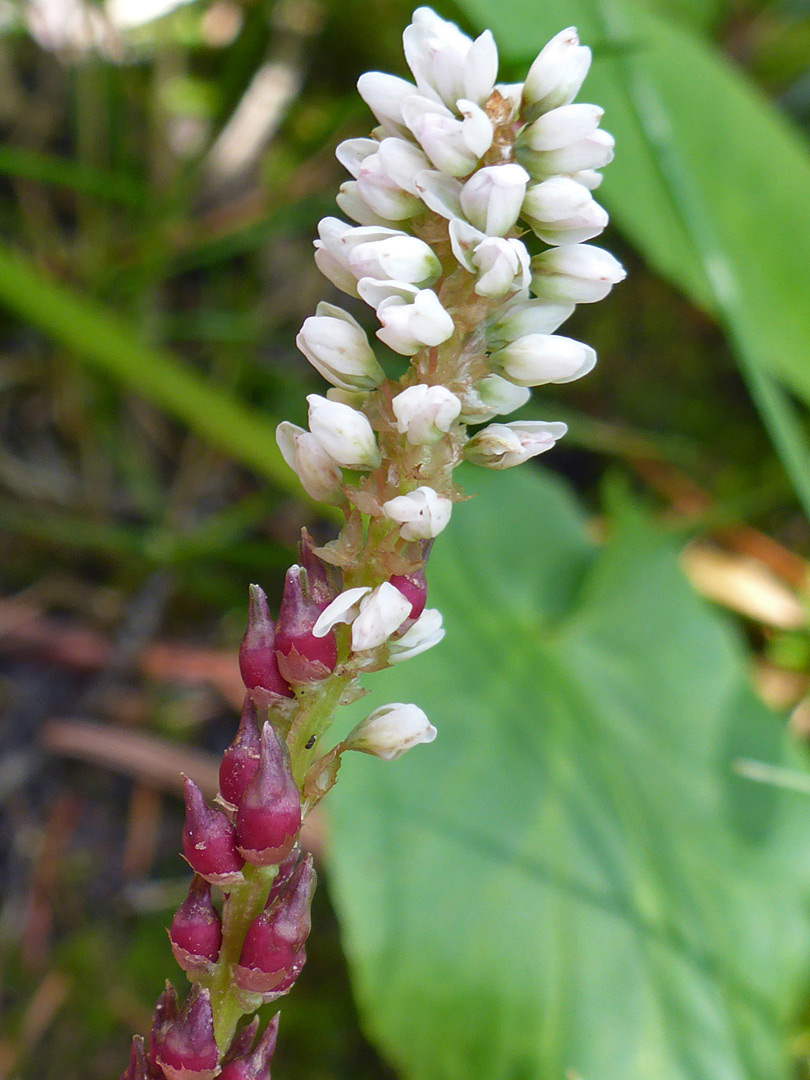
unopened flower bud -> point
(166, 1012)
(269, 815)
(526, 317)
(590, 152)
(385, 197)
(426, 632)
(384, 95)
(241, 760)
(337, 347)
(413, 587)
(329, 256)
(402, 162)
(425, 413)
(408, 325)
(492, 396)
(561, 127)
(302, 657)
(188, 1050)
(401, 258)
(209, 840)
(273, 948)
(446, 63)
(353, 205)
(492, 197)
(557, 74)
(257, 651)
(253, 1064)
(196, 929)
(319, 474)
(502, 266)
(560, 210)
(538, 359)
(440, 193)
(580, 273)
(453, 146)
(500, 446)
(391, 730)
(344, 433)
(382, 612)
(422, 513)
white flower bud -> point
(382, 612)
(384, 95)
(407, 326)
(380, 192)
(399, 258)
(592, 152)
(319, 475)
(580, 273)
(426, 632)
(527, 317)
(492, 396)
(422, 513)
(492, 197)
(345, 434)
(502, 266)
(538, 359)
(440, 193)
(557, 74)
(425, 413)
(329, 256)
(446, 64)
(561, 127)
(500, 446)
(337, 347)
(344, 609)
(453, 146)
(403, 162)
(353, 205)
(351, 153)
(562, 211)
(391, 730)
(589, 178)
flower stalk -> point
(472, 204)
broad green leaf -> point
(709, 181)
(573, 876)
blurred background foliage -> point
(162, 171)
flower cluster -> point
(472, 207)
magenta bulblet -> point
(255, 1064)
(414, 588)
(269, 815)
(273, 950)
(301, 656)
(241, 760)
(257, 655)
(209, 840)
(196, 930)
(188, 1050)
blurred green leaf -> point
(573, 876)
(73, 175)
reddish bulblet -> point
(414, 588)
(240, 761)
(196, 930)
(257, 656)
(209, 840)
(301, 656)
(255, 1064)
(139, 1067)
(269, 815)
(188, 1050)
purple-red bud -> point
(301, 656)
(269, 815)
(241, 760)
(139, 1067)
(209, 840)
(196, 930)
(255, 1065)
(257, 656)
(188, 1050)
(242, 1042)
(165, 1014)
(273, 950)
(414, 588)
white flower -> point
(426, 632)
(384, 95)
(343, 432)
(501, 266)
(440, 193)
(351, 153)
(403, 162)
(408, 324)
(425, 413)
(580, 273)
(563, 211)
(329, 255)
(492, 396)
(562, 126)
(353, 205)
(446, 64)
(538, 359)
(398, 257)
(382, 612)
(453, 146)
(492, 197)
(319, 475)
(557, 74)
(344, 609)
(382, 194)
(591, 152)
(500, 446)
(337, 347)
(391, 730)
(524, 317)
(422, 513)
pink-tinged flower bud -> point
(320, 477)
(166, 1012)
(408, 324)
(209, 840)
(500, 446)
(425, 413)
(591, 152)
(557, 74)
(492, 396)
(403, 162)
(254, 1064)
(273, 949)
(337, 347)
(269, 815)
(562, 211)
(492, 197)
(581, 273)
(386, 198)
(257, 653)
(188, 1050)
(241, 760)
(382, 612)
(343, 432)
(446, 64)
(426, 632)
(353, 205)
(561, 127)
(414, 588)
(139, 1067)
(453, 146)
(196, 930)
(523, 317)
(391, 730)
(399, 258)
(422, 513)
(538, 359)
(302, 657)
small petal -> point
(425, 413)
(382, 612)
(562, 127)
(344, 433)
(440, 193)
(406, 327)
(426, 632)
(592, 152)
(353, 205)
(538, 359)
(337, 347)
(422, 513)
(384, 95)
(557, 74)
(351, 153)
(382, 194)
(500, 446)
(390, 731)
(343, 609)
(581, 273)
(526, 317)
(492, 396)
(402, 162)
(320, 477)
(492, 197)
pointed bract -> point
(254, 1065)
